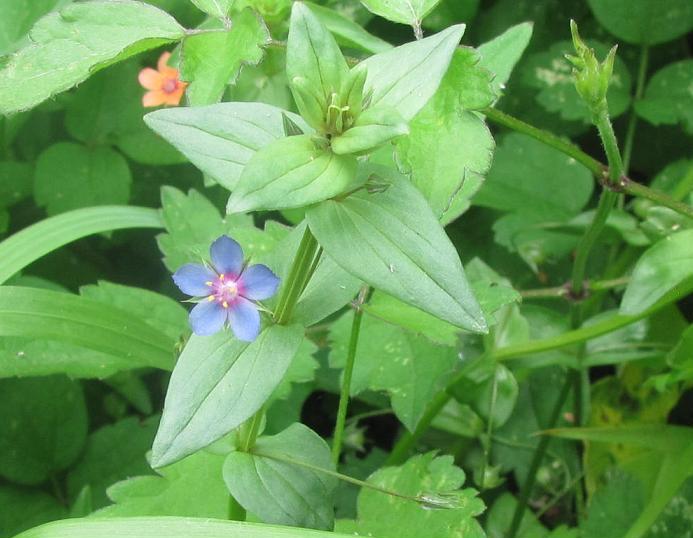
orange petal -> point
(163, 61)
(150, 79)
(154, 98)
(174, 97)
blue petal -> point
(227, 256)
(258, 282)
(244, 319)
(207, 318)
(191, 279)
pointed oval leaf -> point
(666, 265)
(280, 492)
(220, 139)
(312, 53)
(218, 383)
(374, 127)
(407, 76)
(394, 242)
(67, 46)
(292, 172)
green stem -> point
(300, 273)
(537, 458)
(641, 191)
(588, 240)
(346, 381)
(633, 120)
(250, 430)
(598, 169)
(564, 291)
(550, 139)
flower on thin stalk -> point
(163, 83)
(227, 290)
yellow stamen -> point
(225, 304)
(210, 298)
(208, 283)
(221, 276)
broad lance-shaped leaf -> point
(292, 172)
(665, 266)
(220, 139)
(312, 53)
(374, 126)
(280, 492)
(393, 241)
(68, 46)
(407, 76)
(405, 11)
(218, 383)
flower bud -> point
(591, 77)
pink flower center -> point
(225, 290)
(169, 85)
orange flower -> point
(163, 84)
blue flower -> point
(228, 289)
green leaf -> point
(373, 127)
(113, 452)
(26, 357)
(26, 508)
(291, 172)
(533, 179)
(347, 32)
(668, 99)
(643, 21)
(389, 517)
(191, 487)
(267, 484)
(41, 434)
(407, 76)
(385, 307)
(16, 182)
(178, 527)
(220, 139)
(665, 266)
(409, 12)
(70, 176)
(18, 18)
(312, 53)
(491, 391)
(161, 312)
(66, 47)
(500, 517)
(410, 368)
(449, 149)
(614, 507)
(77, 320)
(218, 383)
(215, 8)
(551, 74)
(209, 61)
(37, 240)
(107, 109)
(504, 51)
(402, 250)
